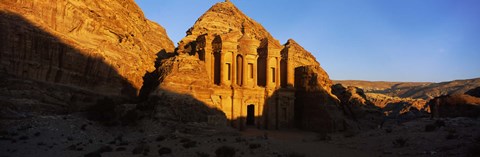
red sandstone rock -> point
(102, 46)
(457, 105)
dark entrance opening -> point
(251, 115)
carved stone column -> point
(222, 68)
(277, 73)
(255, 75)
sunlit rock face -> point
(101, 46)
(231, 63)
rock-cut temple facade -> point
(236, 66)
(250, 80)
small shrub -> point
(164, 150)
(295, 154)
(160, 138)
(202, 154)
(93, 154)
(142, 148)
(254, 146)
(119, 149)
(439, 123)
(83, 127)
(400, 142)
(225, 151)
(388, 130)
(430, 127)
(23, 138)
(452, 134)
(240, 139)
(104, 149)
(189, 144)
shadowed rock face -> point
(357, 106)
(315, 107)
(80, 43)
(457, 105)
(474, 92)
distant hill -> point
(416, 90)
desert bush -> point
(160, 138)
(202, 154)
(254, 146)
(400, 142)
(104, 149)
(164, 150)
(388, 130)
(430, 127)
(452, 134)
(189, 144)
(439, 123)
(240, 139)
(142, 148)
(225, 151)
(295, 154)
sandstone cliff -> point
(299, 57)
(102, 46)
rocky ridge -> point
(415, 90)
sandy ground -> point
(73, 135)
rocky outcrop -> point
(102, 46)
(183, 74)
(316, 108)
(355, 104)
(297, 56)
(474, 92)
(457, 105)
(396, 105)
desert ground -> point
(74, 135)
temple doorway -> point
(251, 115)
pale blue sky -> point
(388, 40)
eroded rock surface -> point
(102, 46)
(457, 105)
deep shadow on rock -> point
(457, 105)
(53, 76)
